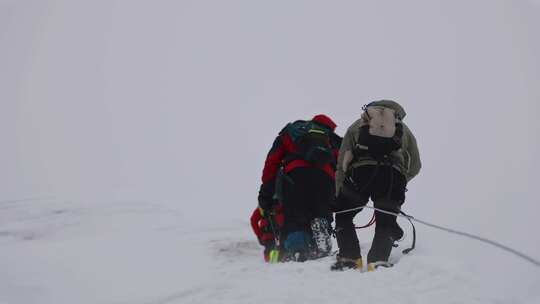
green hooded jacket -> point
(406, 160)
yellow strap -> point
(316, 131)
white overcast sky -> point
(180, 100)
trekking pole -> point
(273, 255)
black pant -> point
(386, 187)
(307, 193)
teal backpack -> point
(312, 142)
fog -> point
(179, 101)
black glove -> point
(338, 203)
(268, 245)
(266, 196)
(333, 204)
(348, 199)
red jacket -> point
(261, 226)
(283, 146)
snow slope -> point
(133, 134)
(56, 251)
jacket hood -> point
(390, 104)
(325, 120)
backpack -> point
(381, 135)
(312, 142)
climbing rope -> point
(453, 231)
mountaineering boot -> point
(347, 263)
(321, 233)
(382, 244)
(296, 247)
(373, 266)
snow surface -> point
(133, 134)
(57, 251)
